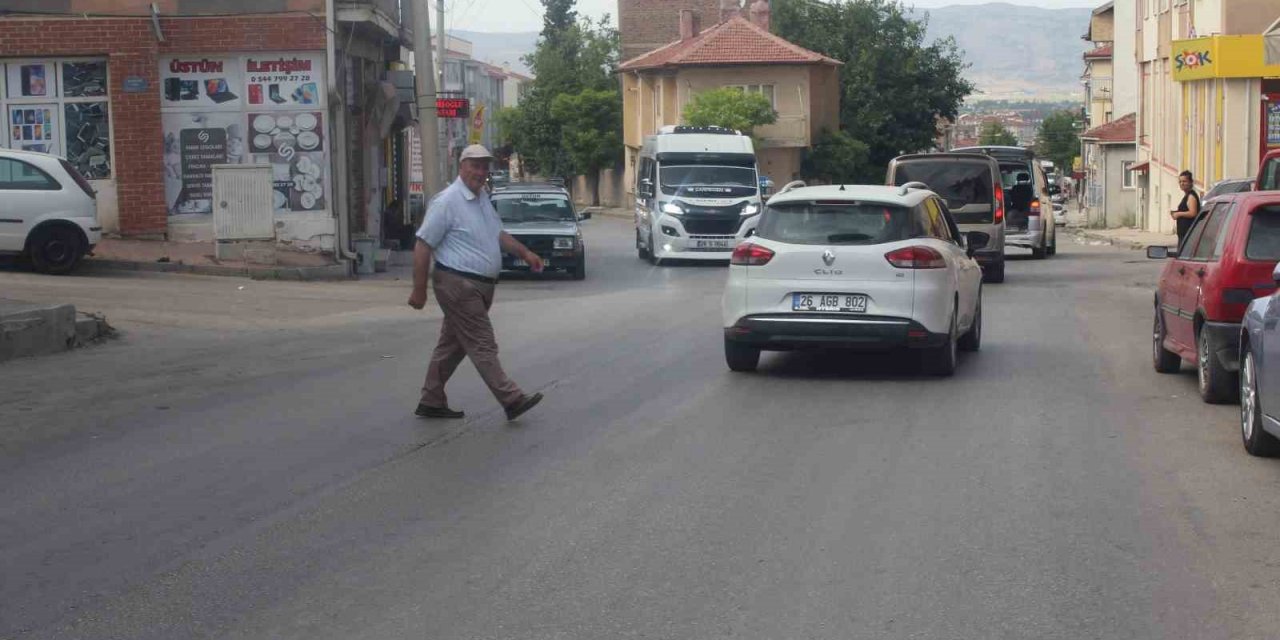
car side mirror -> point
(1161, 253)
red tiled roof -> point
(1101, 52)
(1123, 130)
(734, 41)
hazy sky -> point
(526, 15)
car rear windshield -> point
(837, 223)
(966, 186)
(79, 178)
(533, 207)
(1264, 234)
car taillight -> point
(916, 258)
(999, 191)
(1035, 207)
(751, 255)
(75, 175)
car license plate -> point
(711, 244)
(829, 302)
(546, 262)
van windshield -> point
(708, 181)
(836, 223)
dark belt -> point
(467, 274)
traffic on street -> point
(258, 473)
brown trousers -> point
(466, 331)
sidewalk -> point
(1127, 238)
(198, 258)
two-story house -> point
(802, 85)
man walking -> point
(462, 235)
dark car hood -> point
(565, 228)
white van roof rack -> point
(912, 185)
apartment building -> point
(1209, 102)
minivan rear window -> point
(1264, 234)
(966, 186)
(835, 223)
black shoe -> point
(522, 405)
(424, 411)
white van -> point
(697, 193)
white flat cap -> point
(476, 152)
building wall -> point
(791, 97)
(1124, 70)
(1120, 202)
(1101, 26)
(1209, 126)
(1101, 83)
(132, 51)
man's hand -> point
(535, 262)
(418, 299)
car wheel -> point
(1164, 360)
(653, 252)
(1256, 439)
(1038, 254)
(1217, 386)
(56, 250)
(580, 269)
(740, 357)
(941, 360)
(972, 339)
(1053, 246)
(993, 272)
(641, 250)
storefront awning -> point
(1141, 166)
(1271, 44)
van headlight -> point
(563, 243)
(750, 209)
(673, 209)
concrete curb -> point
(328, 272)
(1136, 245)
(35, 330)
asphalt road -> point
(243, 463)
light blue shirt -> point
(463, 230)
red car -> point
(1268, 172)
(1225, 262)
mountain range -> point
(1013, 51)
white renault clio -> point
(854, 267)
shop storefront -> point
(61, 106)
(258, 108)
(1219, 114)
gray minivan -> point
(970, 184)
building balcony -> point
(788, 131)
(384, 18)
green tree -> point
(895, 85)
(995, 133)
(1059, 138)
(730, 108)
(836, 158)
(591, 129)
(572, 55)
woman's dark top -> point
(1184, 224)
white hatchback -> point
(857, 267)
(48, 211)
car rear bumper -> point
(785, 332)
(984, 258)
(1033, 239)
(1224, 343)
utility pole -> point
(441, 48)
(425, 77)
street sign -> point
(453, 107)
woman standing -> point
(1188, 209)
